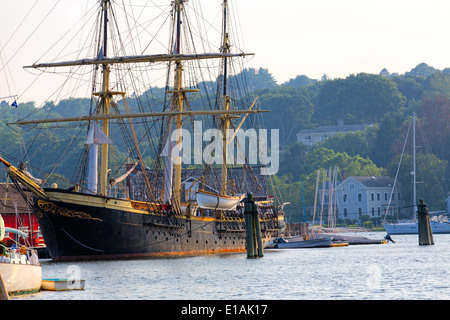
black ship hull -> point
(87, 227)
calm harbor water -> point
(401, 270)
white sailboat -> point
(438, 224)
(20, 268)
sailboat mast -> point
(105, 102)
(414, 163)
(226, 102)
(225, 47)
(178, 104)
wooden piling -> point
(3, 291)
(258, 235)
(424, 226)
(252, 229)
(250, 241)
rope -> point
(81, 244)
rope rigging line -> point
(18, 50)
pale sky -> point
(289, 37)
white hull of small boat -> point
(62, 284)
(311, 243)
(412, 227)
(213, 201)
(21, 278)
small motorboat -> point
(283, 243)
(62, 284)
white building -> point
(312, 136)
(357, 196)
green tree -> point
(352, 143)
(389, 138)
(290, 110)
(422, 70)
(300, 81)
(256, 79)
(363, 98)
(292, 160)
(430, 177)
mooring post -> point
(424, 227)
(249, 233)
(258, 233)
(252, 228)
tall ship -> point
(158, 202)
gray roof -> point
(337, 128)
(369, 182)
(375, 182)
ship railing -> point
(15, 255)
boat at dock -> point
(62, 284)
(299, 243)
(401, 228)
(351, 240)
(19, 266)
(439, 222)
(154, 214)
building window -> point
(373, 212)
(378, 196)
(379, 211)
(345, 197)
(360, 211)
(371, 196)
(345, 212)
(352, 186)
(359, 197)
(398, 196)
(393, 196)
(307, 138)
(385, 196)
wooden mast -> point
(106, 103)
(226, 102)
(178, 104)
(178, 92)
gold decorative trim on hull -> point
(52, 208)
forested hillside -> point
(386, 101)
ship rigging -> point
(87, 221)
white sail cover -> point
(169, 152)
(94, 138)
(96, 135)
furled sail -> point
(94, 138)
(115, 181)
(169, 152)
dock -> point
(339, 244)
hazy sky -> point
(289, 37)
